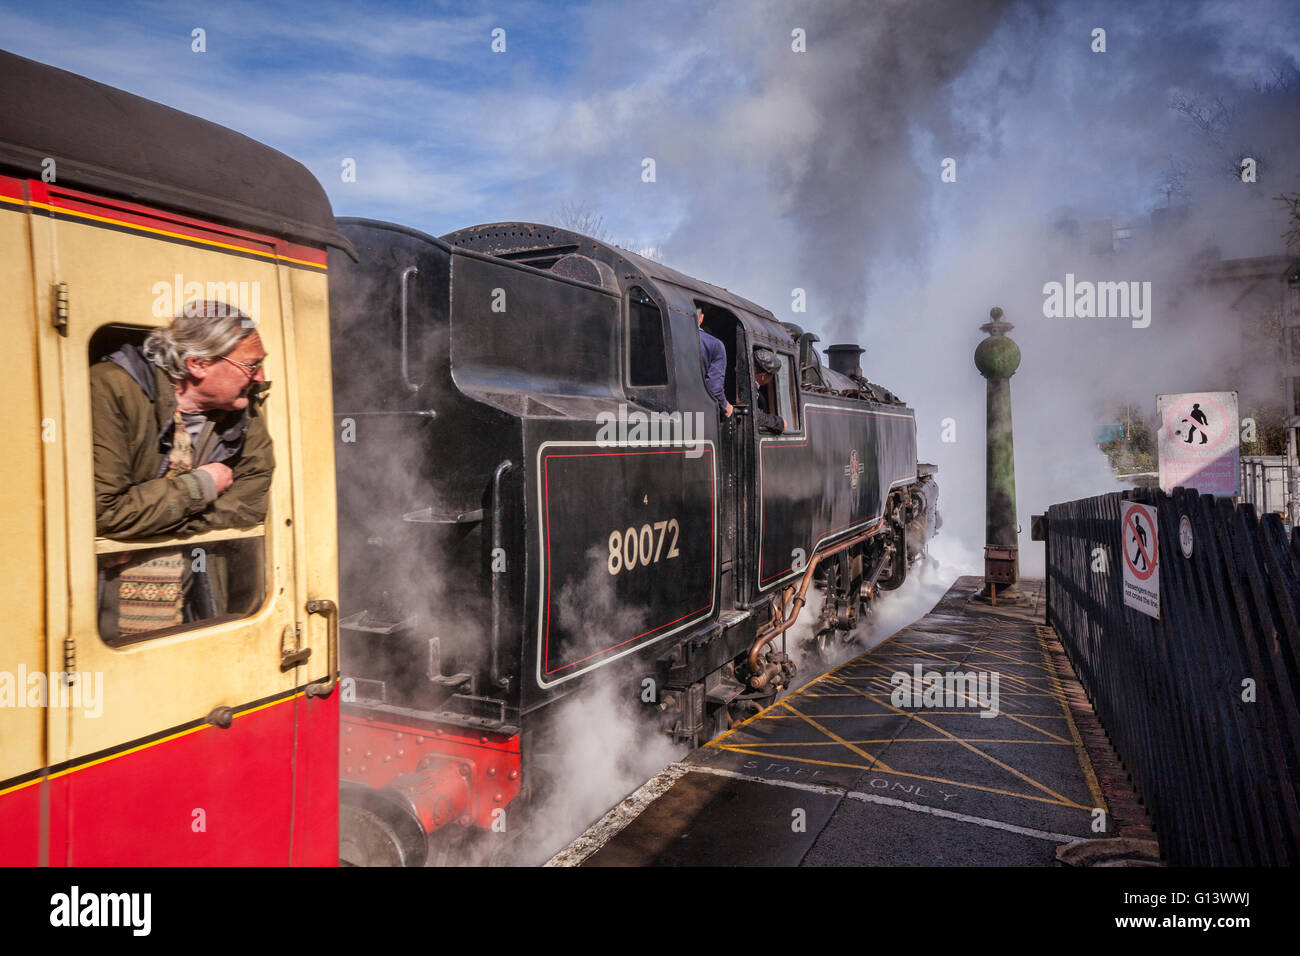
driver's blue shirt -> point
(713, 363)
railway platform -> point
(962, 740)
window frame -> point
(659, 394)
(790, 367)
(787, 400)
(102, 545)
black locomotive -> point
(536, 488)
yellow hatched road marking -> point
(909, 740)
(963, 663)
(770, 707)
(897, 645)
(953, 713)
(875, 761)
(1065, 801)
(976, 703)
(900, 773)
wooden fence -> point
(1202, 703)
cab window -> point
(647, 359)
(787, 389)
(778, 394)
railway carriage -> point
(214, 740)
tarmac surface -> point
(983, 766)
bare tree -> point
(1211, 116)
(1292, 236)
(579, 216)
(582, 217)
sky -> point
(797, 146)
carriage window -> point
(180, 585)
(647, 363)
(157, 575)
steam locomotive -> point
(499, 479)
(536, 491)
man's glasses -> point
(249, 370)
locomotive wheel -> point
(371, 837)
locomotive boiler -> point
(536, 492)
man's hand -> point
(222, 477)
(726, 412)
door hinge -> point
(61, 307)
(292, 653)
(70, 659)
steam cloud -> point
(821, 170)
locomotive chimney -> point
(844, 359)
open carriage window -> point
(155, 591)
(173, 550)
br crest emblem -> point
(853, 468)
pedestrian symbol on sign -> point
(1140, 539)
(1198, 443)
(1196, 416)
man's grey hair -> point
(203, 330)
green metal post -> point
(997, 359)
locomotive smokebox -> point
(845, 360)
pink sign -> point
(1198, 443)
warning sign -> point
(1198, 442)
(1141, 546)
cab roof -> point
(541, 245)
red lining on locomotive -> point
(546, 496)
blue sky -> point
(402, 88)
(782, 170)
(447, 133)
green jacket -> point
(132, 437)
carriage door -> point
(33, 615)
(186, 647)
